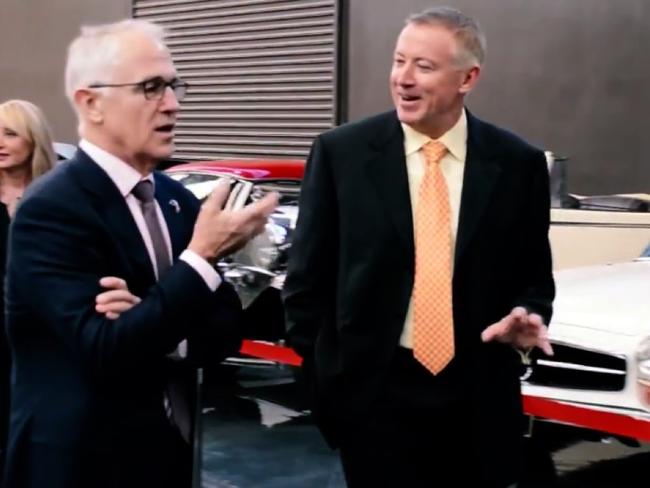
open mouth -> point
(165, 129)
(409, 98)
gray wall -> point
(571, 76)
(34, 35)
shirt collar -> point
(122, 174)
(455, 139)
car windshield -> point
(199, 184)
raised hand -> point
(521, 329)
(219, 232)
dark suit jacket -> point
(5, 358)
(351, 270)
(87, 391)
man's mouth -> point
(409, 98)
(4, 155)
(165, 129)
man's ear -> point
(89, 102)
(470, 79)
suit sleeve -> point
(310, 286)
(538, 288)
(55, 263)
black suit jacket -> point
(351, 270)
(87, 389)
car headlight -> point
(643, 371)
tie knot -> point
(434, 151)
(143, 191)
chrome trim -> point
(575, 367)
(572, 345)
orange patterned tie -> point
(433, 322)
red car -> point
(258, 270)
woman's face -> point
(15, 150)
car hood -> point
(609, 298)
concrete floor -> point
(256, 434)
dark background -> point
(571, 76)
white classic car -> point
(594, 229)
(599, 376)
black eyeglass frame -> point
(155, 92)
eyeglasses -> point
(152, 88)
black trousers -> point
(165, 462)
(5, 373)
(417, 434)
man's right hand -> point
(219, 232)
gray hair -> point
(465, 29)
(95, 52)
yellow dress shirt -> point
(452, 166)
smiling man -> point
(98, 398)
(420, 269)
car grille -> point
(572, 367)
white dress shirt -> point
(452, 166)
(125, 178)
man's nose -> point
(170, 102)
(405, 76)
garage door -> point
(262, 74)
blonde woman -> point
(26, 152)
(26, 149)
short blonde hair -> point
(28, 121)
(465, 29)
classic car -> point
(599, 377)
(594, 229)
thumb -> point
(492, 331)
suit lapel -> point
(112, 208)
(387, 171)
(173, 215)
(482, 172)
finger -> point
(117, 307)
(219, 195)
(264, 206)
(112, 295)
(116, 295)
(545, 345)
(519, 314)
(532, 329)
(113, 282)
(112, 315)
(496, 330)
(536, 319)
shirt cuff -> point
(202, 267)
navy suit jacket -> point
(83, 385)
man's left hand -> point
(521, 329)
(116, 300)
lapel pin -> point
(177, 207)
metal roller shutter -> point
(262, 74)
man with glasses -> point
(109, 283)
